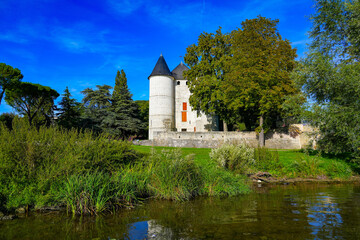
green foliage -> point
(206, 74)
(266, 160)
(122, 118)
(88, 193)
(144, 117)
(243, 76)
(7, 119)
(220, 182)
(9, 78)
(330, 76)
(96, 103)
(237, 158)
(174, 176)
(69, 112)
(32, 100)
(32, 160)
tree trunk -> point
(225, 126)
(262, 135)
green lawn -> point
(294, 163)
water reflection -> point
(279, 212)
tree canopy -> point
(258, 78)
(244, 75)
(122, 119)
(9, 77)
(207, 71)
(330, 75)
(31, 99)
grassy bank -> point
(91, 174)
(286, 163)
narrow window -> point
(183, 117)
(187, 83)
(194, 129)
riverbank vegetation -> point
(284, 164)
(51, 166)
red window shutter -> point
(184, 106)
(183, 116)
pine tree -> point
(69, 112)
(122, 119)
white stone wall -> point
(201, 123)
(161, 104)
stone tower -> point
(161, 99)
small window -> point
(184, 106)
(187, 83)
(178, 83)
(183, 129)
(183, 117)
(194, 129)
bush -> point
(237, 158)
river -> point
(301, 211)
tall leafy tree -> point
(207, 73)
(258, 79)
(96, 103)
(122, 119)
(9, 78)
(69, 112)
(330, 75)
(32, 100)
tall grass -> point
(33, 160)
(90, 174)
(173, 176)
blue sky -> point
(82, 44)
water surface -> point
(304, 211)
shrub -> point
(237, 158)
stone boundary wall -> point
(215, 139)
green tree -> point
(69, 113)
(259, 72)
(9, 78)
(330, 75)
(144, 116)
(122, 119)
(32, 100)
(206, 74)
(96, 103)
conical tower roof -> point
(161, 68)
(178, 71)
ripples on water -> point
(306, 211)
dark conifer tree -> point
(69, 112)
(122, 119)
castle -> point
(169, 108)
